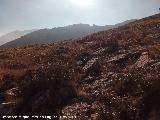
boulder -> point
(117, 58)
(82, 58)
(92, 67)
(99, 51)
(89, 64)
(13, 92)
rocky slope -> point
(110, 75)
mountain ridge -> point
(60, 33)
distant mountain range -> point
(13, 35)
(55, 34)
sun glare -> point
(82, 3)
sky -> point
(37, 14)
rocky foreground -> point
(110, 75)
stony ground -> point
(110, 75)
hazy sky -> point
(30, 14)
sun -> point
(82, 3)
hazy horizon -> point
(35, 14)
(21, 30)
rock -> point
(92, 68)
(89, 79)
(117, 58)
(62, 50)
(89, 64)
(155, 36)
(13, 92)
(99, 51)
(143, 60)
(88, 43)
(124, 60)
(82, 58)
(156, 64)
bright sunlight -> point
(83, 3)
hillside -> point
(59, 33)
(109, 75)
(13, 35)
